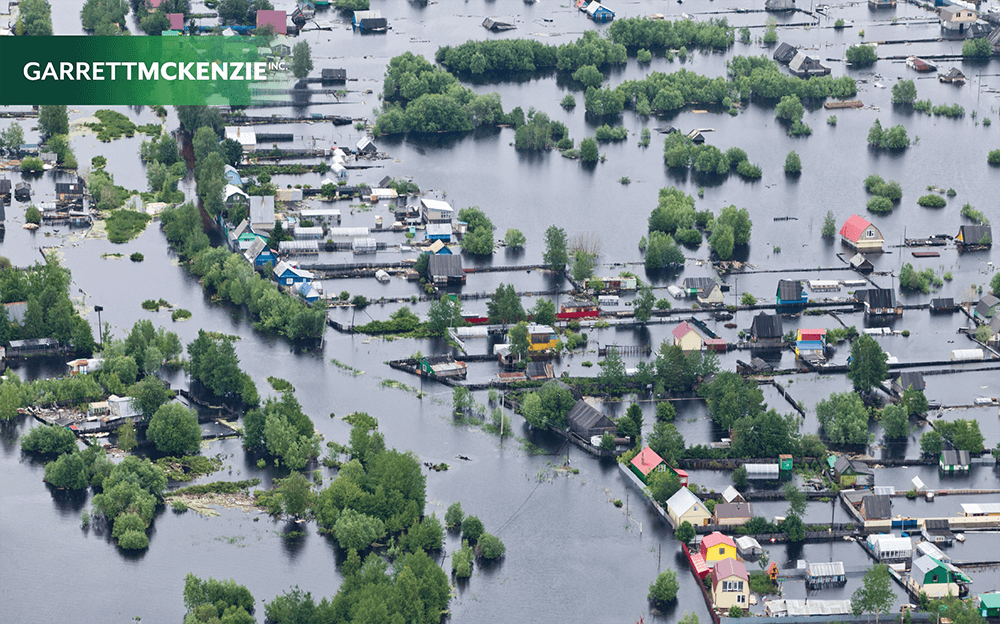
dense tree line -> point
(214, 363)
(283, 430)
(217, 601)
(131, 493)
(232, 278)
(242, 12)
(491, 55)
(49, 312)
(761, 77)
(104, 17)
(35, 18)
(639, 32)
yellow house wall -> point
(713, 553)
(724, 600)
(690, 342)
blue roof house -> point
(259, 254)
(233, 176)
(287, 275)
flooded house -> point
(825, 574)
(732, 495)
(986, 308)
(943, 304)
(704, 289)
(684, 506)
(861, 264)
(587, 421)
(246, 136)
(369, 22)
(68, 192)
(445, 270)
(748, 548)
(779, 5)
(937, 578)
(791, 296)
(952, 76)
(435, 211)
(957, 18)
(365, 146)
(858, 233)
(599, 13)
(717, 547)
(442, 366)
(262, 213)
(333, 75)
(730, 585)
(278, 20)
(810, 344)
(685, 337)
(974, 236)
(5, 187)
(784, 53)
(952, 461)
(645, 463)
(890, 548)
(289, 275)
(876, 507)
(805, 66)
(879, 302)
(938, 531)
(540, 337)
(919, 64)
(907, 379)
(259, 254)
(497, 25)
(732, 514)
(853, 473)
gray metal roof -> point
(790, 290)
(682, 501)
(262, 209)
(766, 326)
(445, 266)
(877, 507)
(734, 510)
(911, 378)
(984, 305)
(256, 247)
(784, 53)
(825, 568)
(972, 234)
(955, 458)
(583, 417)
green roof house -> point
(937, 578)
(989, 605)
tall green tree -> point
(544, 311)
(645, 300)
(730, 397)
(868, 367)
(302, 62)
(667, 441)
(174, 429)
(875, 594)
(612, 375)
(844, 418)
(664, 589)
(895, 421)
(556, 256)
(505, 306)
(519, 344)
(53, 119)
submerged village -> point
(678, 312)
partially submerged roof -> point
(955, 458)
(784, 53)
(790, 290)
(445, 265)
(877, 507)
(854, 227)
(766, 326)
(884, 298)
(825, 568)
(585, 416)
(911, 378)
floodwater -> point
(571, 554)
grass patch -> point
(154, 306)
(180, 314)
(113, 125)
(116, 256)
(392, 383)
(188, 468)
(346, 367)
(152, 130)
(280, 384)
(216, 487)
(124, 225)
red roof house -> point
(646, 462)
(860, 234)
(277, 19)
(686, 337)
(716, 546)
(811, 334)
(154, 4)
(176, 21)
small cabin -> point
(442, 366)
(784, 53)
(278, 20)
(907, 379)
(790, 295)
(333, 75)
(730, 585)
(704, 289)
(684, 506)
(646, 463)
(435, 211)
(587, 421)
(879, 302)
(262, 213)
(369, 21)
(366, 146)
(733, 514)
(919, 64)
(953, 76)
(953, 461)
(805, 66)
(540, 337)
(853, 473)
(858, 233)
(937, 531)
(889, 548)
(599, 13)
(766, 329)
(876, 507)
(717, 547)
(861, 264)
(986, 308)
(289, 275)
(685, 337)
(825, 574)
(978, 236)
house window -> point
(741, 598)
(732, 586)
(722, 550)
(288, 281)
(934, 579)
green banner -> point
(139, 70)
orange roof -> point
(646, 460)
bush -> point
(472, 529)
(749, 171)
(490, 547)
(137, 257)
(793, 164)
(454, 516)
(180, 314)
(839, 24)
(49, 440)
(993, 157)
(977, 48)
(123, 225)
(134, 540)
(665, 587)
(30, 163)
(568, 101)
(932, 201)
(32, 215)
(861, 55)
(879, 205)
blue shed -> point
(259, 253)
(287, 275)
(599, 13)
(791, 295)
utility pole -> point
(100, 328)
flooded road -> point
(571, 554)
